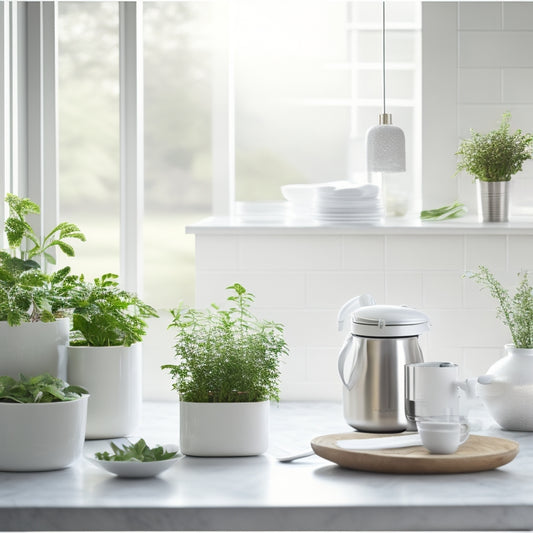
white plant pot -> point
(112, 375)
(34, 348)
(507, 389)
(41, 436)
(224, 429)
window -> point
(89, 144)
(240, 97)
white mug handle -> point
(464, 433)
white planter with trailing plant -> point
(113, 374)
(43, 423)
(33, 302)
(226, 375)
(493, 159)
(105, 355)
(507, 387)
(33, 348)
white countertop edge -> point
(399, 226)
(366, 518)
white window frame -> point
(29, 124)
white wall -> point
(477, 64)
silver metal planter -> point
(493, 200)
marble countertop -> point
(259, 493)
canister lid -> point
(388, 321)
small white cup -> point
(442, 434)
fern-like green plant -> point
(515, 311)
(18, 229)
(27, 292)
(226, 355)
(29, 295)
(103, 314)
(496, 156)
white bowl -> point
(41, 436)
(299, 194)
(135, 469)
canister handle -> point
(342, 359)
(359, 301)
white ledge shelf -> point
(390, 226)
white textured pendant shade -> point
(385, 143)
(385, 147)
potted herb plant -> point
(105, 353)
(493, 159)
(33, 324)
(507, 387)
(226, 374)
(43, 420)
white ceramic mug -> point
(434, 389)
(442, 434)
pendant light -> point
(385, 143)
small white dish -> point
(134, 469)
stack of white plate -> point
(347, 203)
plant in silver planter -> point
(493, 159)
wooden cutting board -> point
(477, 454)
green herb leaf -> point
(455, 210)
(43, 388)
(138, 452)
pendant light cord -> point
(383, 53)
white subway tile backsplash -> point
(478, 360)
(479, 49)
(420, 270)
(424, 252)
(322, 365)
(480, 16)
(310, 327)
(479, 85)
(486, 250)
(363, 252)
(294, 366)
(290, 252)
(404, 288)
(484, 118)
(520, 253)
(214, 252)
(517, 85)
(466, 328)
(443, 289)
(333, 289)
(517, 16)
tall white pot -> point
(507, 389)
(34, 348)
(112, 375)
(224, 429)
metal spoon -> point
(301, 455)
